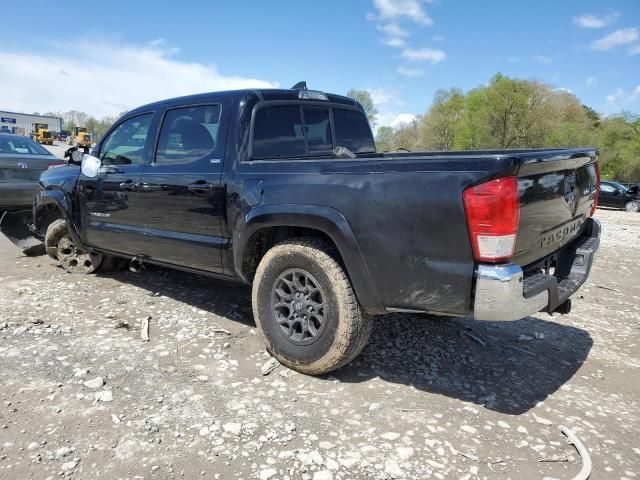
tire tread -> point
(354, 326)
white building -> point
(23, 124)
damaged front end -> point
(18, 227)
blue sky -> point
(129, 53)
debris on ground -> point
(585, 471)
(474, 337)
(269, 366)
(144, 329)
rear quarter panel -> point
(19, 176)
(407, 216)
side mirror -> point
(76, 156)
(90, 165)
(616, 192)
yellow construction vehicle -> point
(80, 137)
(41, 134)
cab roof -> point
(264, 94)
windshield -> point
(21, 146)
(622, 188)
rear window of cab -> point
(303, 130)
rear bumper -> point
(17, 196)
(504, 292)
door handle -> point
(128, 186)
(149, 187)
(201, 186)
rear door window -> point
(352, 131)
(278, 132)
(189, 134)
(317, 125)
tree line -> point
(515, 113)
(75, 118)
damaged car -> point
(21, 162)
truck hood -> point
(63, 177)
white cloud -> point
(105, 79)
(634, 50)
(410, 72)
(389, 16)
(394, 120)
(394, 42)
(413, 10)
(424, 55)
(619, 100)
(623, 36)
(591, 81)
(402, 119)
(382, 96)
(542, 59)
(158, 42)
(593, 21)
(394, 35)
(514, 60)
(388, 104)
(393, 30)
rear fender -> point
(324, 219)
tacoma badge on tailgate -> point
(562, 234)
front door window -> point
(125, 145)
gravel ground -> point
(82, 396)
(58, 148)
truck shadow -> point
(508, 367)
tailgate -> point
(556, 196)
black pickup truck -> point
(283, 189)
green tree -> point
(364, 98)
(384, 139)
(619, 145)
(407, 136)
(441, 124)
(515, 113)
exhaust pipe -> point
(135, 265)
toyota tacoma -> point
(283, 189)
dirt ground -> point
(82, 396)
(58, 148)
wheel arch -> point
(268, 224)
(54, 202)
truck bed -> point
(407, 214)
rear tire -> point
(632, 206)
(306, 309)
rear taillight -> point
(595, 195)
(493, 216)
